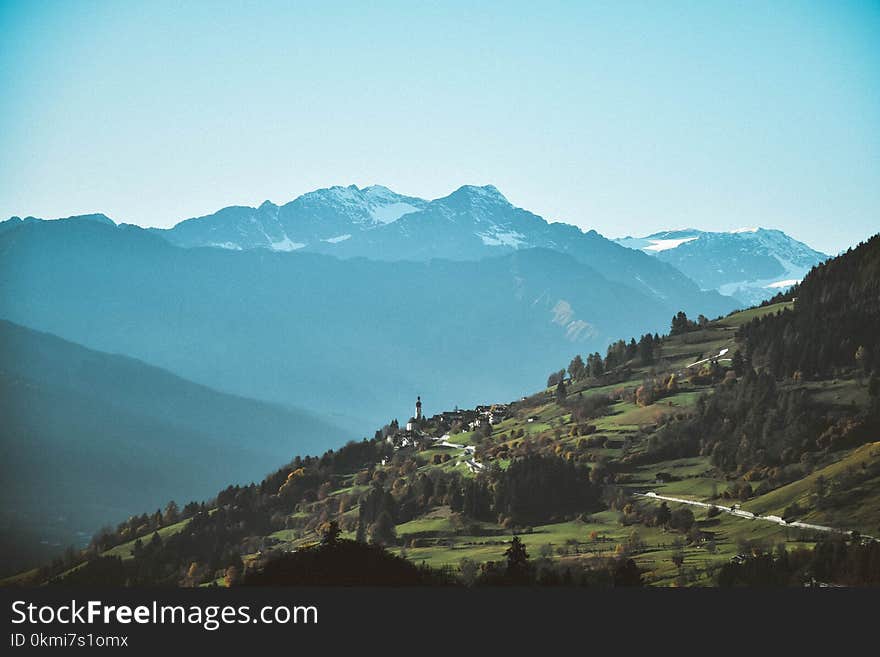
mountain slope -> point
(834, 323)
(316, 220)
(89, 437)
(750, 264)
(644, 456)
(469, 224)
(345, 338)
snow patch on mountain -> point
(754, 290)
(286, 244)
(662, 245)
(498, 236)
(337, 239)
(750, 264)
(784, 284)
(370, 206)
(385, 214)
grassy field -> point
(739, 318)
(863, 514)
(437, 521)
(603, 535)
(124, 550)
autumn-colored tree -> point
(232, 577)
(172, 513)
(329, 533)
(645, 394)
(324, 490)
(863, 359)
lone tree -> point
(627, 573)
(383, 531)
(172, 513)
(863, 359)
(517, 561)
(681, 324)
(561, 392)
(576, 369)
(663, 514)
(738, 363)
(329, 532)
(555, 378)
(682, 519)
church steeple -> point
(419, 407)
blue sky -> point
(626, 117)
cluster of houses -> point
(449, 418)
(403, 439)
(414, 435)
(471, 418)
(492, 414)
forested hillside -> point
(834, 324)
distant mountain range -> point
(90, 438)
(317, 221)
(750, 264)
(470, 224)
(477, 222)
(346, 338)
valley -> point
(603, 421)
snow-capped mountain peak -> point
(326, 216)
(476, 221)
(370, 206)
(480, 195)
(751, 264)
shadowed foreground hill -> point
(343, 563)
(90, 438)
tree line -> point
(833, 325)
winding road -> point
(469, 452)
(748, 515)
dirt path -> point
(748, 515)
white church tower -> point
(415, 419)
